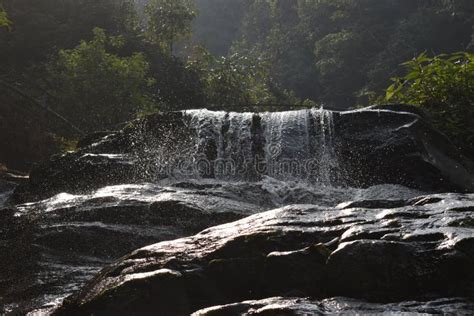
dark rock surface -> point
(339, 305)
(9, 180)
(104, 160)
(65, 240)
(422, 251)
(388, 146)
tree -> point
(443, 86)
(273, 31)
(168, 21)
(97, 89)
(333, 51)
(236, 80)
(43, 27)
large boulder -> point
(379, 250)
(65, 240)
(396, 144)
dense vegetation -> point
(70, 65)
(444, 87)
(336, 51)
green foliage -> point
(444, 86)
(177, 86)
(168, 21)
(273, 31)
(332, 51)
(235, 80)
(43, 27)
(4, 21)
(96, 88)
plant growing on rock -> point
(443, 86)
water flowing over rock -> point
(355, 149)
(318, 204)
(282, 145)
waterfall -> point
(292, 145)
(328, 160)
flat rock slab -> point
(379, 251)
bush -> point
(444, 87)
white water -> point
(292, 145)
(230, 144)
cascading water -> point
(293, 145)
(329, 160)
(173, 174)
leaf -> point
(391, 90)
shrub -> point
(444, 87)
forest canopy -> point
(99, 64)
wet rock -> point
(396, 145)
(299, 272)
(81, 211)
(8, 176)
(17, 257)
(338, 305)
(373, 204)
(128, 156)
(71, 237)
(371, 146)
(290, 252)
(387, 270)
(9, 180)
(65, 240)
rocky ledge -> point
(338, 305)
(381, 251)
(374, 145)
